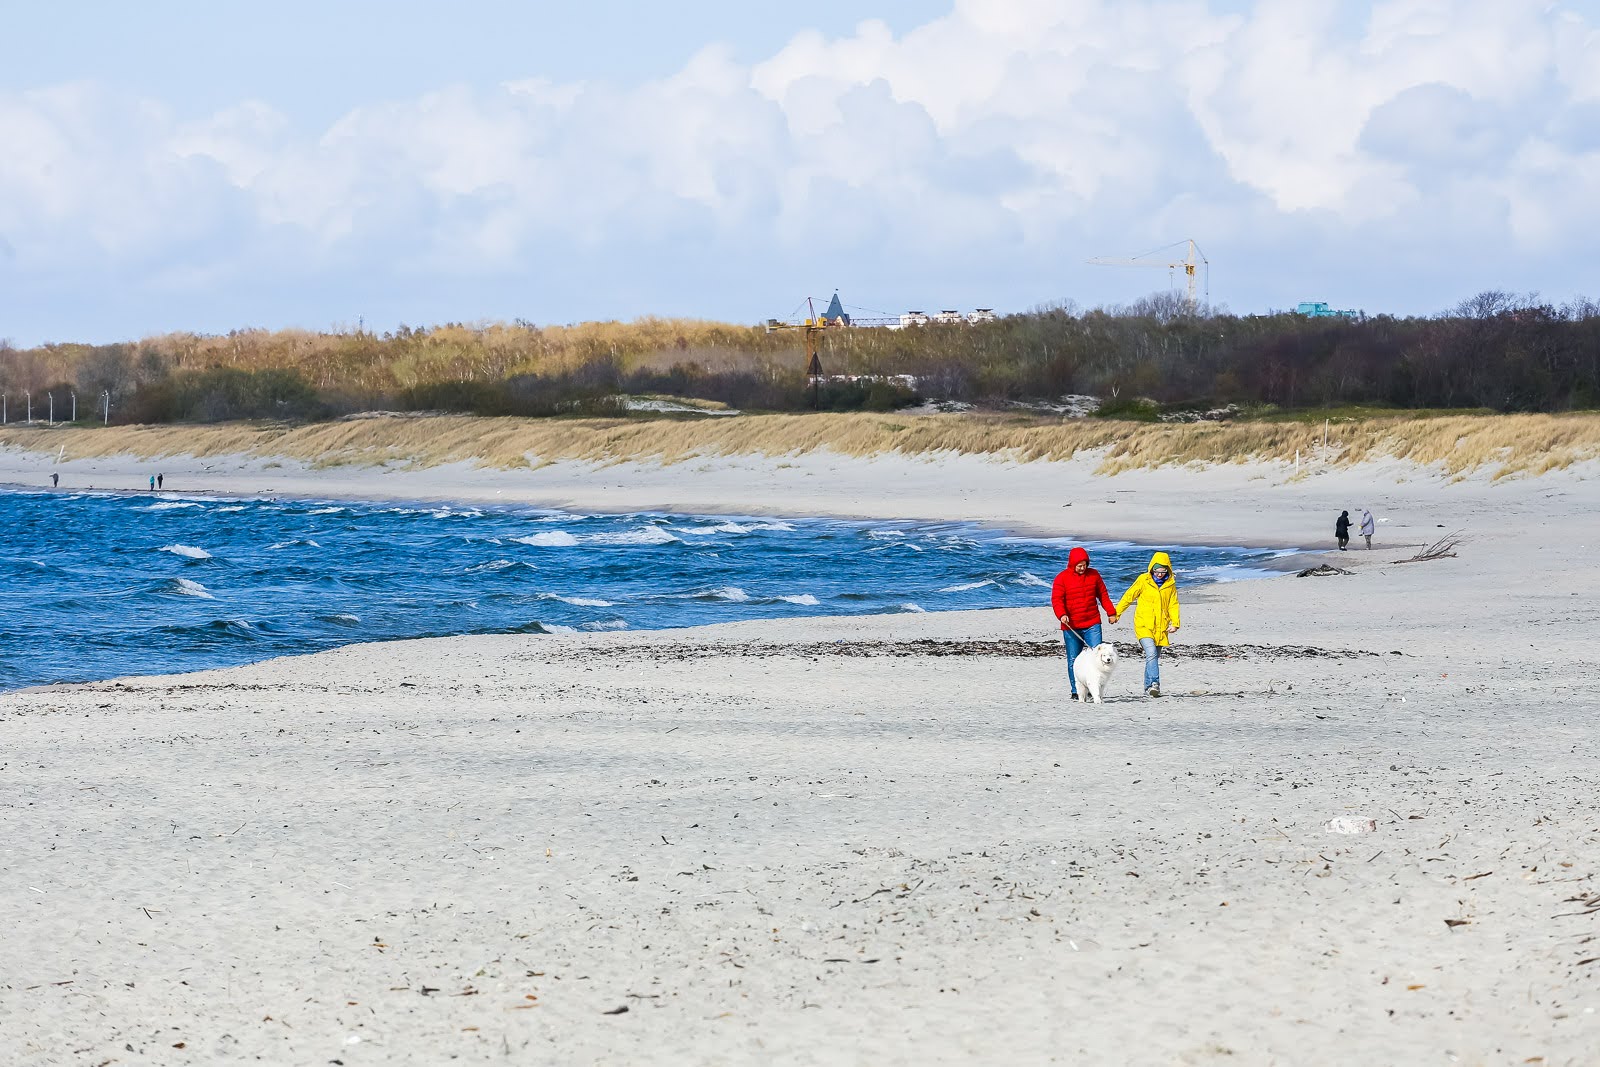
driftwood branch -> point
(1444, 548)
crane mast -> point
(1191, 264)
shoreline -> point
(1029, 498)
(1358, 827)
(1046, 560)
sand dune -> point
(1502, 444)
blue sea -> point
(99, 585)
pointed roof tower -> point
(835, 312)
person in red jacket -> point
(1077, 597)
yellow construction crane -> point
(1191, 264)
(811, 328)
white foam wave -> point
(344, 616)
(169, 505)
(1025, 578)
(324, 511)
(231, 507)
(290, 544)
(492, 565)
(577, 601)
(184, 587)
(557, 628)
(967, 587)
(646, 535)
(187, 551)
(914, 609)
(605, 624)
(728, 592)
(803, 599)
(880, 535)
(555, 539)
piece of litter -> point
(1345, 824)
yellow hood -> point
(1160, 559)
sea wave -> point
(893, 545)
(499, 565)
(603, 625)
(805, 600)
(578, 601)
(171, 505)
(967, 586)
(187, 551)
(231, 507)
(914, 609)
(1029, 579)
(325, 511)
(185, 587)
(554, 539)
(306, 541)
(648, 535)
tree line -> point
(1497, 351)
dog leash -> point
(1084, 641)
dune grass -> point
(1501, 445)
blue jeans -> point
(1152, 661)
(1074, 646)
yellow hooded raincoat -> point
(1158, 604)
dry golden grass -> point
(484, 352)
(1502, 444)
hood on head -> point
(1076, 556)
(1160, 559)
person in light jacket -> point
(1368, 527)
(1156, 617)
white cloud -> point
(1003, 125)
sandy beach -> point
(868, 840)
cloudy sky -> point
(173, 165)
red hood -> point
(1076, 556)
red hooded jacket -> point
(1076, 595)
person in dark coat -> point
(1341, 529)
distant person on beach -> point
(55, 479)
(1157, 615)
(159, 479)
(1368, 527)
(1077, 597)
(152, 483)
(1341, 529)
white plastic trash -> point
(1347, 824)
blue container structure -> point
(1317, 309)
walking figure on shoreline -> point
(1156, 617)
(1341, 529)
(1368, 526)
(1077, 597)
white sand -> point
(473, 849)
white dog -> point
(1093, 668)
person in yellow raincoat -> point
(1156, 591)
